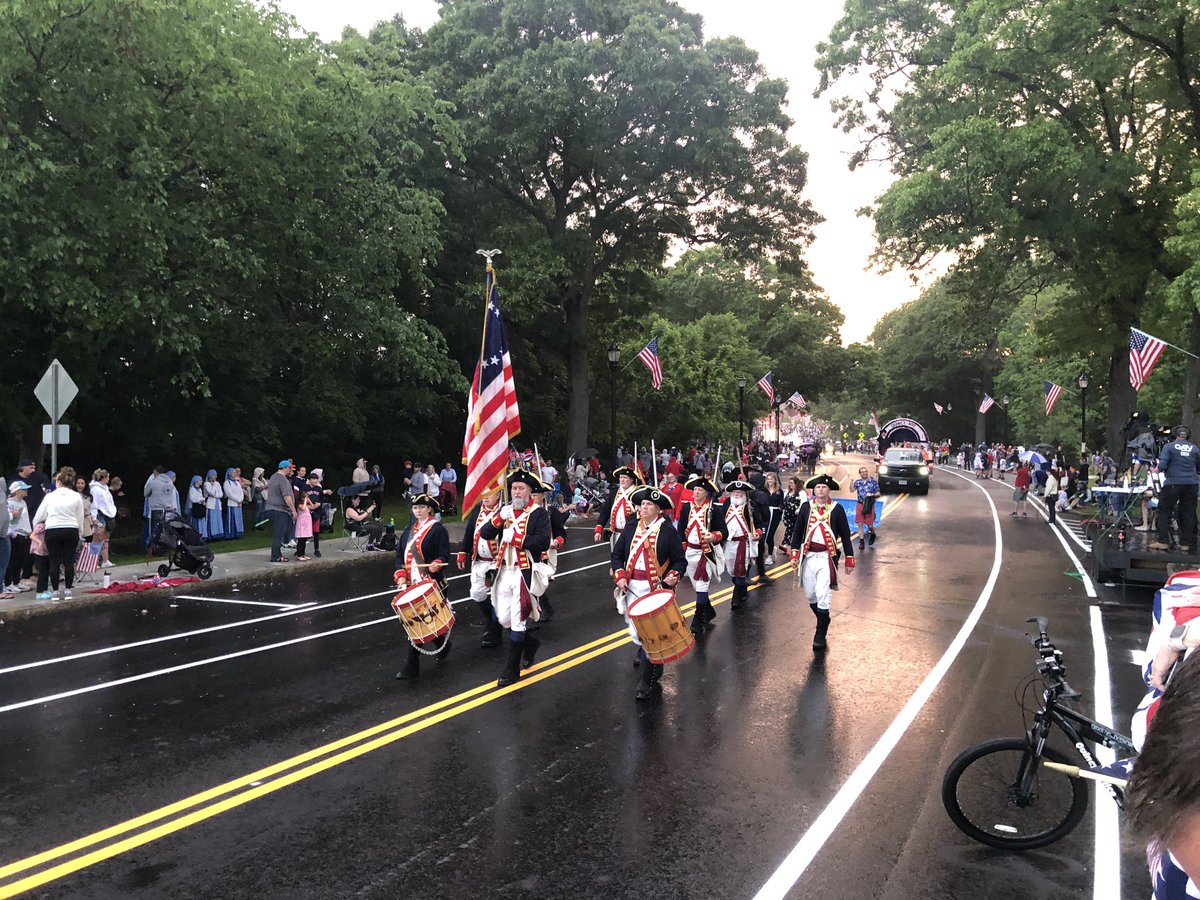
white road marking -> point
(798, 860)
(62, 695)
(246, 602)
(238, 624)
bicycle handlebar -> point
(1049, 662)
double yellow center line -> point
(58, 862)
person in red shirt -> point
(1021, 490)
(673, 489)
(675, 467)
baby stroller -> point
(185, 549)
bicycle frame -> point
(1078, 728)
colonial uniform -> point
(545, 568)
(742, 529)
(423, 551)
(523, 535)
(617, 510)
(645, 556)
(483, 556)
(813, 545)
(702, 538)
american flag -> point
(1053, 392)
(1144, 351)
(940, 409)
(987, 404)
(767, 387)
(797, 400)
(492, 415)
(652, 361)
(874, 420)
(89, 558)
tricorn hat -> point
(822, 479)
(699, 481)
(653, 494)
(425, 500)
(632, 473)
(542, 487)
(523, 476)
(738, 485)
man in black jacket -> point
(522, 531)
(648, 555)
(820, 524)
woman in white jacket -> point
(104, 511)
(213, 494)
(62, 513)
(234, 498)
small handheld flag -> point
(987, 404)
(797, 400)
(1053, 392)
(940, 409)
(767, 387)
(652, 361)
(1144, 352)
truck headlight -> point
(883, 470)
(924, 470)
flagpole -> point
(488, 274)
(654, 461)
(1181, 350)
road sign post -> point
(55, 392)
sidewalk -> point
(234, 567)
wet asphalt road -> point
(298, 767)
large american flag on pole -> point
(767, 387)
(987, 403)
(1144, 351)
(1053, 392)
(652, 361)
(797, 400)
(492, 415)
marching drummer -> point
(742, 529)
(522, 532)
(423, 551)
(618, 510)
(701, 540)
(483, 555)
(648, 554)
(820, 524)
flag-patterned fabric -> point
(767, 387)
(940, 409)
(1144, 351)
(987, 404)
(493, 418)
(1053, 392)
(89, 558)
(652, 361)
(797, 400)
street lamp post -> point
(614, 357)
(1083, 383)
(741, 383)
(1005, 400)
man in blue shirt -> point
(867, 489)
(1178, 465)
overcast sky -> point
(785, 36)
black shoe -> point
(739, 596)
(547, 609)
(645, 686)
(317, 554)
(412, 665)
(511, 673)
(862, 545)
(491, 637)
(529, 653)
(871, 538)
(709, 613)
(444, 652)
(819, 643)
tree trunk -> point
(1122, 400)
(1191, 378)
(578, 355)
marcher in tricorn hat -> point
(617, 510)
(812, 548)
(743, 529)
(549, 561)
(522, 532)
(483, 556)
(423, 551)
(702, 537)
(648, 555)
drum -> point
(423, 611)
(661, 627)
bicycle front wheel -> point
(998, 793)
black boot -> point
(444, 652)
(547, 609)
(656, 673)
(530, 651)
(822, 628)
(511, 673)
(739, 596)
(645, 684)
(412, 665)
(492, 632)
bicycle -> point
(1000, 794)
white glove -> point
(506, 512)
